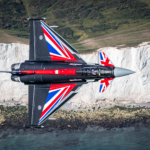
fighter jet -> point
(55, 72)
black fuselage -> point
(53, 72)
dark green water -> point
(92, 138)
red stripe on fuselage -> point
(50, 72)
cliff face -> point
(133, 88)
(12, 92)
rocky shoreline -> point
(13, 119)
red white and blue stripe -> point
(56, 94)
(57, 49)
(104, 84)
(104, 60)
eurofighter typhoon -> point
(55, 72)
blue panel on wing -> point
(52, 49)
(51, 94)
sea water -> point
(91, 138)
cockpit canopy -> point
(95, 72)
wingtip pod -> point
(104, 60)
(32, 126)
(36, 18)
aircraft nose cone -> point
(118, 72)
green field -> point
(87, 24)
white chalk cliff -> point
(135, 87)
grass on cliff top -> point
(91, 24)
(7, 36)
(126, 38)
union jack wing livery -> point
(57, 48)
(56, 95)
(104, 60)
(55, 72)
(104, 84)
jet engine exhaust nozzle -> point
(15, 78)
(119, 72)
